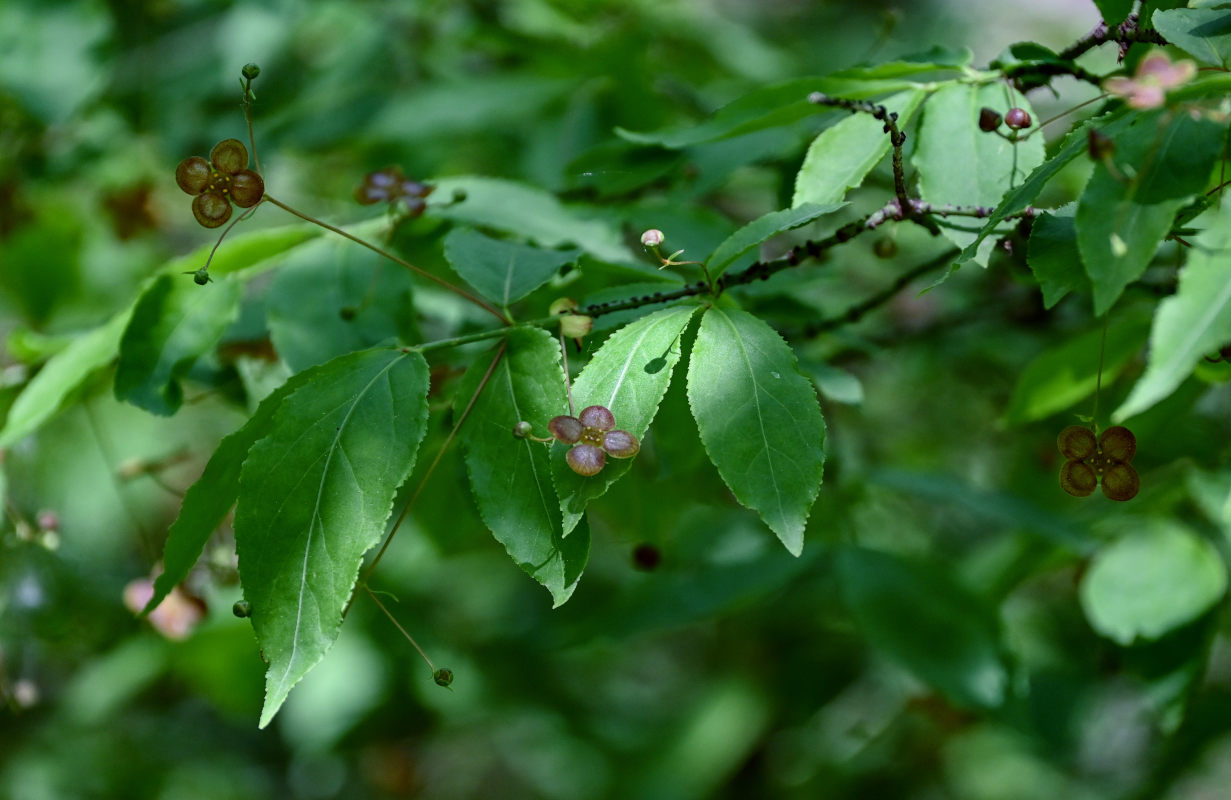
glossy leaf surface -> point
(502, 271)
(510, 477)
(315, 495)
(174, 322)
(762, 229)
(628, 375)
(759, 419)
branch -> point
(857, 311)
(896, 137)
(1126, 33)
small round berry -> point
(1077, 479)
(229, 156)
(211, 210)
(250, 71)
(1076, 443)
(586, 459)
(599, 417)
(200, 277)
(646, 557)
(1017, 118)
(522, 429)
(242, 608)
(989, 119)
(247, 188)
(885, 247)
(443, 677)
(652, 238)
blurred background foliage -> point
(955, 653)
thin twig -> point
(896, 137)
(398, 625)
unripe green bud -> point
(250, 71)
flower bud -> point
(250, 71)
(522, 429)
(575, 326)
(242, 608)
(443, 677)
(652, 238)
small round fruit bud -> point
(1101, 145)
(646, 557)
(200, 277)
(576, 326)
(885, 247)
(242, 608)
(652, 238)
(522, 429)
(989, 119)
(443, 677)
(250, 71)
(1017, 118)
(562, 305)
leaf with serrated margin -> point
(510, 477)
(1203, 33)
(502, 271)
(315, 494)
(759, 419)
(207, 501)
(1194, 321)
(1021, 196)
(960, 164)
(841, 156)
(1053, 256)
(762, 229)
(174, 323)
(629, 375)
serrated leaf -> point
(1203, 33)
(763, 228)
(841, 156)
(502, 271)
(510, 477)
(920, 617)
(174, 323)
(1053, 256)
(254, 249)
(1194, 321)
(207, 501)
(528, 213)
(1151, 581)
(1068, 373)
(1125, 213)
(781, 104)
(759, 419)
(315, 495)
(629, 375)
(60, 376)
(1076, 143)
(960, 164)
(331, 298)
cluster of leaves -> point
(326, 457)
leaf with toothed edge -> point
(759, 419)
(510, 477)
(315, 495)
(629, 375)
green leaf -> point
(315, 495)
(841, 156)
(259, 248)
(629, 375)
(207, 501)
(1203, 33)
(834, 382)
(331, 298)
(502, 271)
(759, 419)
(1076, 143)
(528, 213)
(510, 477)
(1151, 581)
(1160, 159)
(60, 376)
(174, 323)
(1194, 321)
(1114, 11)
(1068, 373)
(960, 164)
(1054, 258)
(928, 623)
(772, 106)
(763, 228)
